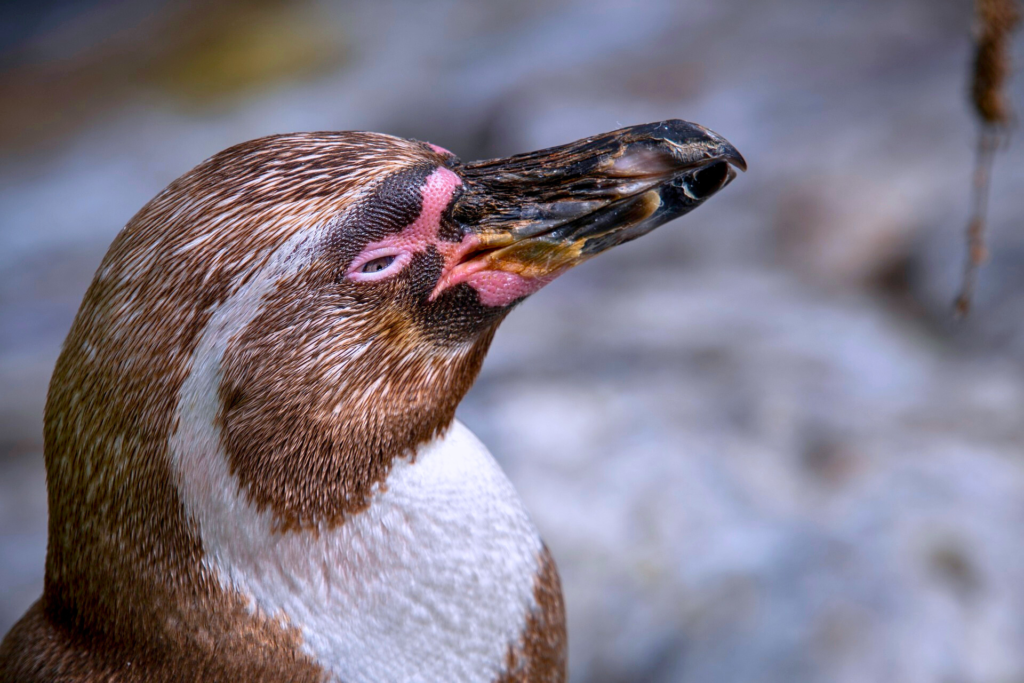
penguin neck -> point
(445, 535)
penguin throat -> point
(315, 456)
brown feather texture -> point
(540, 657)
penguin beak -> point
(536, 215)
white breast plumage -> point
(431, 583)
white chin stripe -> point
(433, 582)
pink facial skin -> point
(500, 288)
(437, 193)
(439, 149)
(494, 287)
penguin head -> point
(315, 305)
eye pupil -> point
(377, 264)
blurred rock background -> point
(755, 442)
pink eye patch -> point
(386, 258)
(440, 150)
(436, 194)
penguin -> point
(254, 470)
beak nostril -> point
(708, 181)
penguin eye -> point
(378, 264)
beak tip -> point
(732, 155)
(679, 132)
